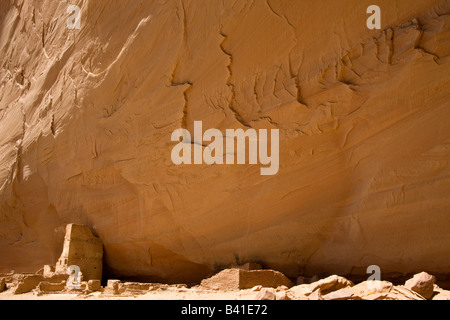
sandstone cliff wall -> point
(86, 118)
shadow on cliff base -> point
(162, 266)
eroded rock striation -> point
(86, 118)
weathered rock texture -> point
(234, 279)
(24, 283)
(422, 283)
(82, 249)
(86, 118)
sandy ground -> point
(169, 294)
(87, 118)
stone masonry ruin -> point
(82, 249)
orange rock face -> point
(86, 117)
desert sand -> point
(172, 295)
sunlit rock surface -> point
(86, 118)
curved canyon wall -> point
(86, 118)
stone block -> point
(235, 279)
